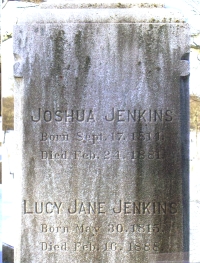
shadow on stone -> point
(169, 258)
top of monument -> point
(65, 4)
(78, 15)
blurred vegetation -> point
(6, 36)
(7, 113)
(194, 112)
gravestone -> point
(102, 133)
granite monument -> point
(101, 104)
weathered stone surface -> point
(124, 15)
(102, 132)
(103, 4)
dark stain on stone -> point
(84, 60)
(150, 26)
(42, 30)
(77, 42)
(30, 178)
(20, 42)
(58, 51)
(125, 42)
(140, 167)
(36, 30)
(87, 64)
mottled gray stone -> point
(102, 135)
(103, 4)
(124, 15)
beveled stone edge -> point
(146, 15)
(61, 4)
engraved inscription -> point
(42, 207)
(150, 148)
(111, 228)
(110, 246)
(101, 208)
(84, 229)
(151, 154)
(53, 247)
(54, 137)
(145, 208)
(94, 138)
(89, 208)
(54, 229)
(115, 115)
(63, 115)
(136, 115)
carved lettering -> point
(100, 208)
(53, 247)
(145, 208)
(89, 115)
(66, 115)
(54, 229)
(87, 208)
(42, 207)
(136, 115)
(54, 137)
